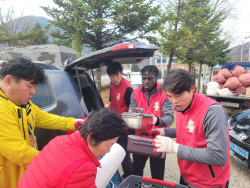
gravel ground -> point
(240, 176)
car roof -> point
(124, 53)
(46, 65)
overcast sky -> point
(238, 26)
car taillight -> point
(124, 47)
(248, 103)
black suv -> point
(239, 131)
(71, 92)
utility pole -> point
(241, 52)
(248, 48)
(248, 38)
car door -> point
(59, 96)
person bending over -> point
(72, 160)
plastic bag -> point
(219, 79)
(232, 83)
(238, 70)
(225, 92)
(245, 79)
(225, 72)
(212, 90)
(213, 84)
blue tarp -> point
(229, 65)
(217, 66)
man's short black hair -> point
(178, 81)
(23, 68)
(103, 125)
(150, 68)
(114, 68)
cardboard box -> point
(248, 92)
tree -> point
(172, 34)
(41, 40)
(135, 68)
(101, 23)
(15, 33)
(19, 39)
(198, 29)
(219, 49)
(185, 27)
(208, 47)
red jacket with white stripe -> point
(65, 162)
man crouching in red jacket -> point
(72, 160)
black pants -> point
(182, 182)
(127, 163)
(157, 166)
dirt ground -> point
(239, 178)
(105, 95)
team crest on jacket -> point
(191, 126)
(156, 106)
(118, 96)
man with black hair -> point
(120, 92)
(156, 103)
(202, 134)
(74, 158)
(19, 117)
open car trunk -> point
(87, 98)
(124, 53)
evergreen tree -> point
(189, 30)
(135, 68)
(219, 50)
(206, 44)
(13, 31)
(41, 40)
(174, 37)
(101, 23)
(19, 39)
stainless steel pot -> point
(138, 120)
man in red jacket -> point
(153, 102)
(202, 134)
(120, 92)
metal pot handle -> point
(134, 110)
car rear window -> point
(136, 86)
(43, 96)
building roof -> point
(49, 53)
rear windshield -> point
(136, 86)
(43, 96)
